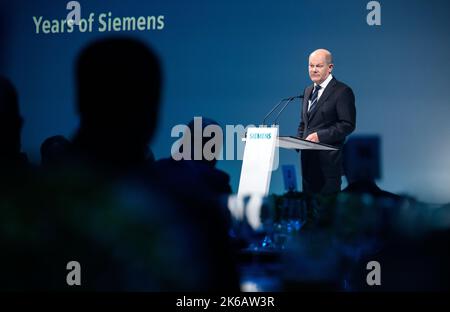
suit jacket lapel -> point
(326, 93)
(305, 103)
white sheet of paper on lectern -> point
(257, 163)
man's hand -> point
(313, 137)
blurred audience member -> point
(54, 150)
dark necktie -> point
(314, 97)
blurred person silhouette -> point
(202, 167)
(16, 175)
(191, 172)
(106, 208)
(54, 150)
(409, 248)
(119, 87)
(11, 157)
(362, 166)
(198, 183)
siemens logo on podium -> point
(267, 136)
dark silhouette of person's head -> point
(10, 120)
(200, 142)
(54, 150)
(118, 92)
(194, 162)
(362, 158)
(202, 124)
(362, 166)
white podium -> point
(259, 153)
(257, 166)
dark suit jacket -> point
(333, 118)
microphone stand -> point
(285, 105)
(289, 99)
(274, 108)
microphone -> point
(293, 97)
(285, 105)
(289, 99)
(271, 111)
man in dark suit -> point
(328, 116)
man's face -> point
(319, 69)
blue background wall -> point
(233, 60)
